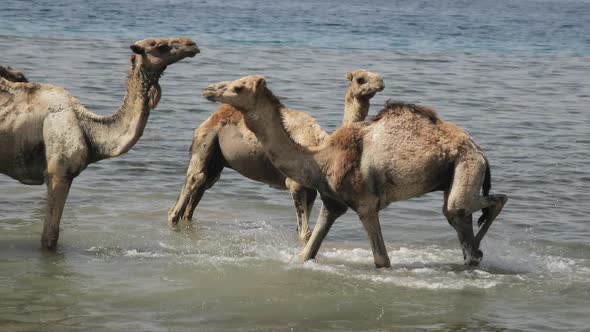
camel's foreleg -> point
(57, 192)
(303, 199)
(329, 212)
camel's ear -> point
(349, 76)
(260, 83)
(137, 49)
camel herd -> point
(405, 151)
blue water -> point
(496, 26)
(515, 74)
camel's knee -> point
(500, 199)
(454, 213)
(194, 180)
(295, 188)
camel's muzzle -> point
(215, 90)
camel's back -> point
(23, 108)
(415, 151)
(411, 131)
(19, 101)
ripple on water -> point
(428, 267)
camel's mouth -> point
(214, 91)
(189, 50)
(210, 96)
(194, 51)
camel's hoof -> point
(49, 244)
(381, 262)
(173, 221)
(474, 259)
(303, 257)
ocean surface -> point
(515, 74)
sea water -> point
(514, 74)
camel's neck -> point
(355, 109)
(114, 135)
(295, 161)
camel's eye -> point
(361, 80)
(163, 47)
(152, 44)
(238, 89)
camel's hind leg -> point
(303, 199)
(203, 171)
(495, 203)
(463, 199)
(370, 220)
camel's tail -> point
(487, 185)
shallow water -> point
(519, 86)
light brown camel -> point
(47, 136)
(11, 74)
(403, 152)
(224, 141)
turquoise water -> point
(514, 74)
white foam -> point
(166, 246)
(422, 267)
(427, 268)
(144, 254)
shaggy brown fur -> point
(348, 142)
(225, 114)
(394, 108)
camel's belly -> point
(406, 178)
(22, 152)
(244, 154)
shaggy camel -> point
(403, 152)
(224, 141)
(12, 74)
(47, 136)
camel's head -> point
(240, 93)
(364, 84)
(12, 74)
(158, 53)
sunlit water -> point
(514, 75)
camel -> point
(224, 141)
(11, 74)
(47, 136)
(403, 152)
